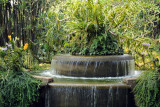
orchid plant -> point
(12, 55)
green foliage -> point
(30, 63)
(77, 26)
(24, 19)
(3, 1)
(83, 28)
(2, 65)
(147, 90)
(141, 25)
(54, 36)
(18, 90)
(101, 45)
(13, 57)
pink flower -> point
(3, 49)
(9, 45)
(146, 44)
(144, 53)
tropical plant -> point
(18, 88)
(12, 55)
(84, 27)
(147, 90)
(139, 28)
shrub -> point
(147, 90)
(84, 27)
(18, 88)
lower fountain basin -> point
(89, 95)
(93, 66)
(68, 91)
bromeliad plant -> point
(89, 30)
(18, 88)
(85, 27)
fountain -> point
(93, 66)
(89, 81)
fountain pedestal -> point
(93, 66)
(90, 81)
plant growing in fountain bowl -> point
(18, 88)
(91, 28)
(85, 27)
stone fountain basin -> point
(89, 95)
(93, 66)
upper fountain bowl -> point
(93, 66)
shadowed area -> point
(89, 95)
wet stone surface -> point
(130, 81)
(45, 80)
(87, 66)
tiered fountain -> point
(89, 81)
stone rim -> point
(93, 58)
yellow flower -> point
(157, 57)
(127, 50)
(152, 67)
(9, 37)
(25, 46)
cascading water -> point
(81, 95)
(98, 66)
(89, 81)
